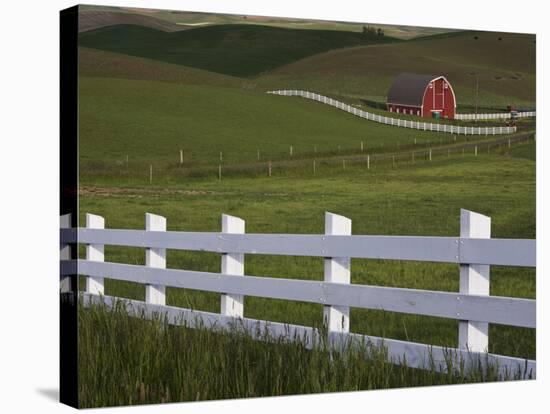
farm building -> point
(423, 95)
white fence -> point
(502, 115)
(472, 306)
(423, 126)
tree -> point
(369, 31)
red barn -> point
(423, 95)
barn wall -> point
(437, 97)
(404, 109)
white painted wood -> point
(232, 264)
(337, 270)
(453, 305)
(417, 355)
(155, 258)
(504, 252)
(474, 280)
(65, 254)
(95, 252)
(394, 121)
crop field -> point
(142, 107)
(184, 19)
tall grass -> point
(125, 360)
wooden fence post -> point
(96, 253)
(475, 150)
(337, 270)
(232, 264)
(313, 167)
(181, 156)
(474, 280)
(150, 174)
(155, 257)
(430, 154)
(368, 161)
(65, 250)
(269, 168)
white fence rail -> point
(423, 126)
(473, 307)
(501, 115)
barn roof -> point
(409, 88)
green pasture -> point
(343, 64)
(150, 122)
(196, 19)
(238, 50)
(150, 363)
(505, 68)
(424, 199)
(527, 151)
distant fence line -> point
(473, 306)
(424, 126)
(502, 115)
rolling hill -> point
(237, 50)
(95, 19)
(100, 63)
(196, 19)
(151, 121)
(343, 64)
(505, 64)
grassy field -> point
(328, 62)
(506, 68)
(237, 50)
(194, 19)
(527, 151)
(418, 200)
(151, 121)
(150, 367)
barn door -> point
(439, 91)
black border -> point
(68, 168)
